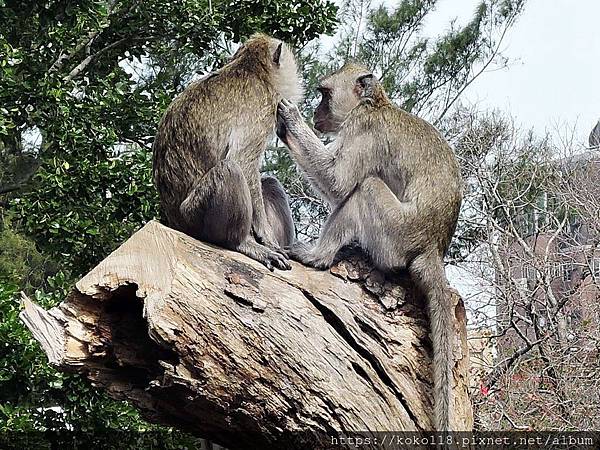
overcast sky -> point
(552, 82)
(553, 79)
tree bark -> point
(211, 342)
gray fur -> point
(394, 186)
(208, 148)
(278, 210)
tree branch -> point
(211, 342)
(11, 188)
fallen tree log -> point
(209, 341)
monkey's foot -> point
(264, 255)
(276, 259)
(274, 247)
(269, 242)
(303, 253)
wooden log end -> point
(46, 328)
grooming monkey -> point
(394, 187)
(209, 146)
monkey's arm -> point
(246, 149)
(335, 170)
(306, 148)
(315, 159)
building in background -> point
(551, 284)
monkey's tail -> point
(428, 272)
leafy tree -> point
(73, 105)
(422, 74)
(87, 205)
(20, 259)
(82, 87)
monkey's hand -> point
(264, 255)
(289, 121)
(303, 253)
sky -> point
(552, 84)
(553, 79)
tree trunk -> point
(209, 341)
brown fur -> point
(208, 149)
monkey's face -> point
(336, 103)
(324, 120)
(340, 93)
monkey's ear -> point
(277, 54)
(238, 52)
(366, 84)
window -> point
(529, 272)
(567, 271)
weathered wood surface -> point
(211, 342)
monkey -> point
(394, 187)
(208, 148)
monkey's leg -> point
(219, 210)
(389, 232)
(261, 226)
(246, 156)
(372, 215)
(339, 229)
(278, 211)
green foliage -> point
(20, 260)
(85, 207)
(82, 87)
(295, 21)
(424, 75)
